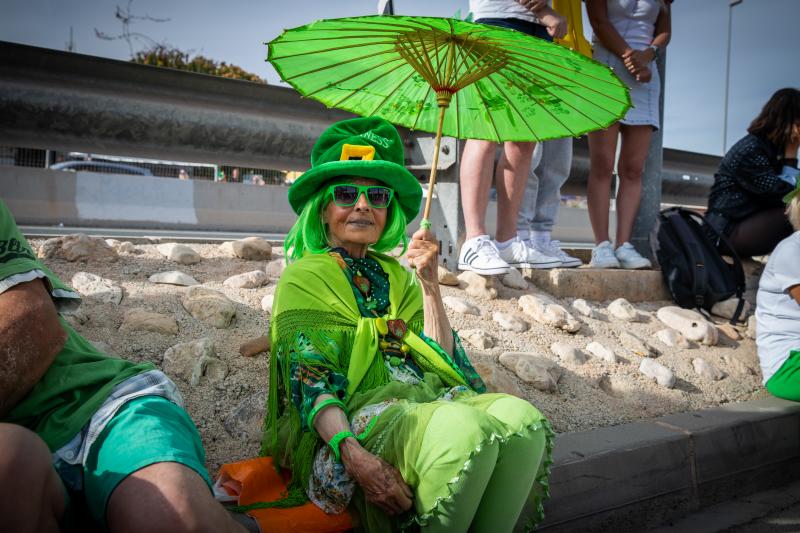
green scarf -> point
(315, 297)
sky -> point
(763, 56)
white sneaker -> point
(519, 254)
(628, 257)
(603, 256)
(480, 255)
(553, 249)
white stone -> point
(248, 280)
(460, 305)
(266, 302)
(478, 338)
(540, 372)
(78, 247)
(727, 308)
(582, 307)
(653, 369)
(514, 280)
(113, 242)
(544, 311)
(173, 277)
(143, 320)
(568, 353)
(478, 286)
(209, 306)
(706, 370)
(126, 247)
(446, 277)
(692, 325)
(509, 322)
(672, 338)
(250, 248)
(602, 352)
(194, 360)
(623, 310)
(275, 268)
(637, 346)
(180, 253)
(103, 347)
(97, 288)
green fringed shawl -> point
(315, 297)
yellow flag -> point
(574, 39)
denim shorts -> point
(524, 26)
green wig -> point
(310, 234)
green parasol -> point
(451, 77)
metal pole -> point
(727, 76)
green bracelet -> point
(336, 441)
(322, 405)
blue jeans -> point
(550, 168)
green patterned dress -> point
(472, 459)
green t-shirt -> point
(81, 377)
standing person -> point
(745, 201)
(83, 434)
(479, 252)
(550, 168)
(628, 36)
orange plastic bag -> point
(256, 480)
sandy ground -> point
(591, 395)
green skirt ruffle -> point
(472, 460)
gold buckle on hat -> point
(357, 151)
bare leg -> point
(633, 154)
(512, 175)
(31, 494)
(476, 180)
(168, 497)
(602, 149)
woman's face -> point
(354, 228)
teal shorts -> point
(145, 431)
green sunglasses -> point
(347, 195)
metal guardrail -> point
(58, 100)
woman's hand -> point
(423, 256)
(637, 61)
(644, 76)
(382, 483)
(556, 24)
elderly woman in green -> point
(373, 403)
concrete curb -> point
(639, 475)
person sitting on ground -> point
(480, 253)
(87, 441)
(745, 201)
(373, 403)
(778, 312)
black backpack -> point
(695, 272)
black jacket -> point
(747, 180)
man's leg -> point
(556, 163)
(145, 472)
(168, 497)
(476, 180)
(32, 498)
(527, 210)
(512, 174)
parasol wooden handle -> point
(425, 224)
